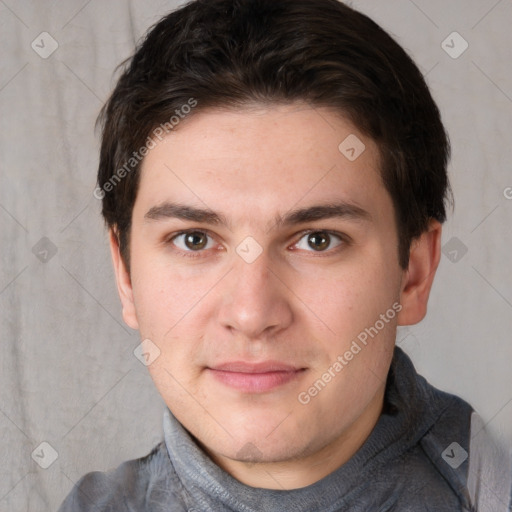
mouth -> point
(255, 377)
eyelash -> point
(344, 241)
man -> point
(273, 176)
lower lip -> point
(255, 382)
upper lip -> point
(261, 367)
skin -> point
(296, 303)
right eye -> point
(192, 241)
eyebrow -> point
(342, 209)
(168, 210)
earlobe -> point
(417, 281)
(124, 283)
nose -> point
(255, 300)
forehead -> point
(260, 162)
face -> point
(260, 257)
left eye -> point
(193, 241)
(319, 241)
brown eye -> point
(319, 241)
(193, 241)
(196, 240)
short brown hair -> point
(230, 53)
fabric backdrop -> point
(73, 397)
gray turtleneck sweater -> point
(428, 452)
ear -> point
(124, 283)
(417, 280)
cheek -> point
(165, 297)
(352, 296)
(171, 313)
(360, 350)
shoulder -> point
(417, 477)
(148, 484)
(467, 459)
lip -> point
(255, 377)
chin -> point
(265, 438)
